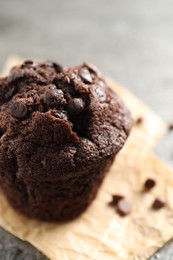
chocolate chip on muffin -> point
(18, 109)
(85, 75)
(75, 106)
(53, 97)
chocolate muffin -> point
(60, 129)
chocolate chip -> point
(101, 94)
(158, 203)
(53, 97)
(85, 76)
(149, 184)
(28, 62)
(124, 207)
(18, 109)
(68, 89)
(139, 121)
(75, 106)
(170, 127)
(115, 199)
(58, 67)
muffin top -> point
(70, 114)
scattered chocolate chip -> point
(170, 127)
(139, 121)
(85, 76)
(75, 106)
(158, 203)
(124, 207)
(115, 199)
(101, 94)
(149, 184)
(53, 97)
(18, 109)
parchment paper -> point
(100, 233)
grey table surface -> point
(131, 41)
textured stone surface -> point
(129, 40)
(12, 248)
(164, 253)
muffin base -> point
(59, 200)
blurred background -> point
(129, 40)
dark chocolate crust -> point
(60, 130)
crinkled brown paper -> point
(100, 233)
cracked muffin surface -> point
(60, 130)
